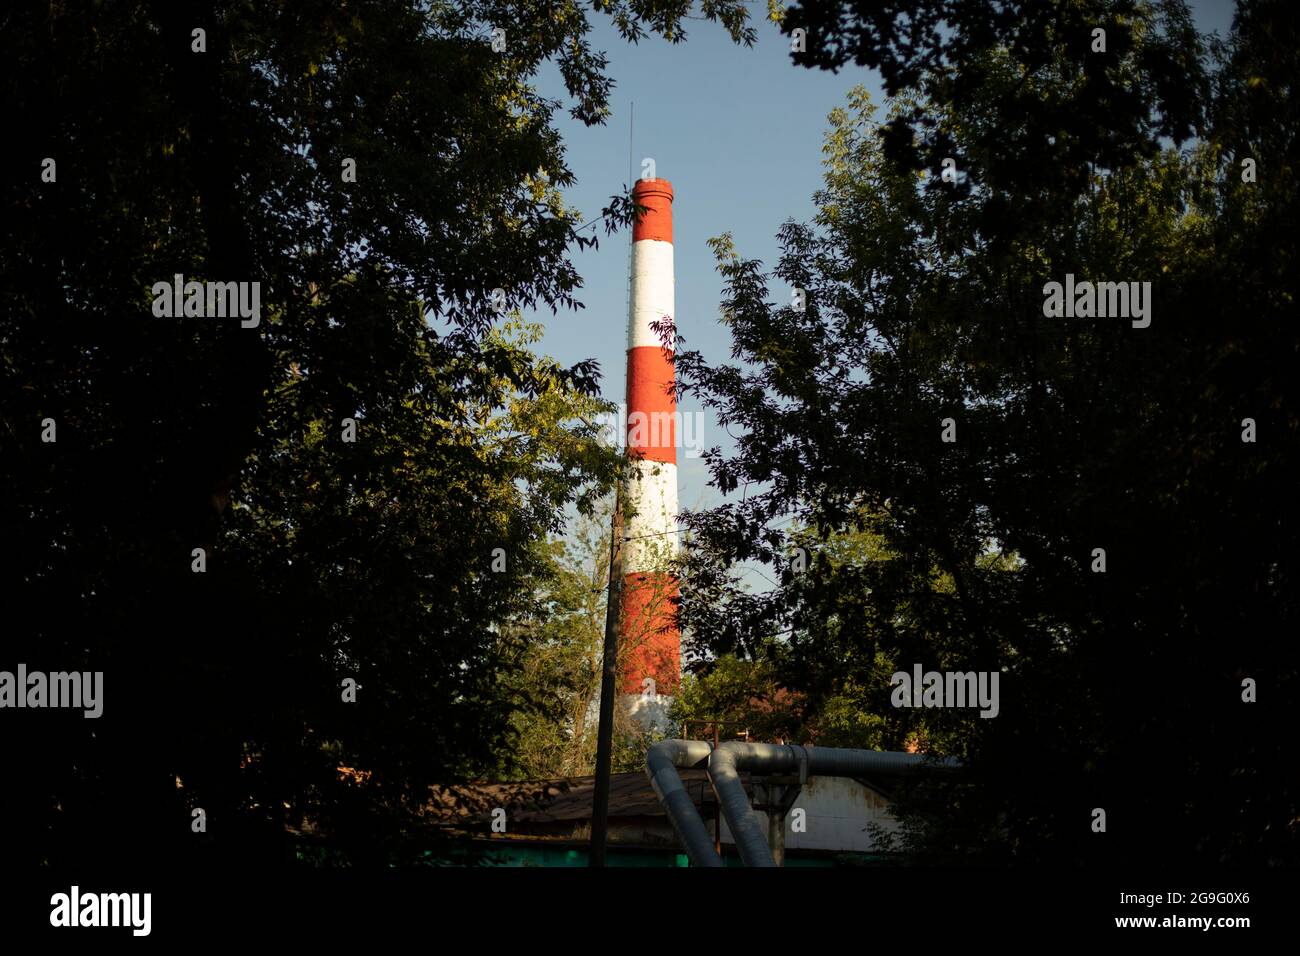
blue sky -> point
(739, 133)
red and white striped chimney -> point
(649, 622)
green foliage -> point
(925, 302)
(554, 725)
(326, 558)
(554, 677)
(739, 695)
(1061, 107)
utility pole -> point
(613, 610)
(608, 686)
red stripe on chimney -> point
(653, 433)
(650, 633)
(657, 221)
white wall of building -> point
(838, 811)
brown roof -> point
(553, 801)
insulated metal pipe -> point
(729, 759)
(661, 765)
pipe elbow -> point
(728, 755)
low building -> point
(548, 822)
